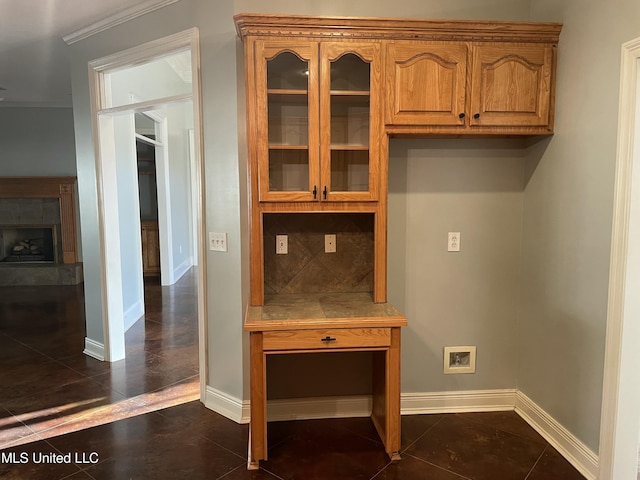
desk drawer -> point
(329, 338)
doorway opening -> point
(149, 96)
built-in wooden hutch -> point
(324, 95)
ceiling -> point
(34, 65)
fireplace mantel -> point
(61, 188)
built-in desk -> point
(336, 322)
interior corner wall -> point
(218, 43)
(568, 202)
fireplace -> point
(29, 244)
(38, 244)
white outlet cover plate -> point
(330, 243)
(453, 242)
(282, 244)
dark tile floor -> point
(140, 418)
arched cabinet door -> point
(426, 83)
(511, 85)
(286, 102)
(350, 120)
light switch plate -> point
(218, 242)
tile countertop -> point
(331, 310)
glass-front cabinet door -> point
(287, 116)
(350, 75)
(318, 120)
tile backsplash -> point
(307, 268)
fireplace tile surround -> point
(47, 202)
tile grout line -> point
(536, 462)
(439, 467)
(425, 432)
(515, 434)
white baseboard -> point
(133, 314)
(575, 451)
(570, 447)
(181, 269)
(458, 402)
(93, 349)
(231, 407)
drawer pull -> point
(327, 339)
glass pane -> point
(287, 71)
(288, 170)
(145, 125)
(349, 170)
(350, 72)
(288, 119)
(350, 112)
(288, 123)
(350, 120)
(164, 77)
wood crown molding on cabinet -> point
(396, 28)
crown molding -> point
(116, 19)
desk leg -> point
(393, 396)
(258, 426)
(386, 395)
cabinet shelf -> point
(287, 97)
(283, 146)
(339, 147)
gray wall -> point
(461, 9)
(456, 298)
(36, 142)
(568, 205)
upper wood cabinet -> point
(470, 86)
(318, 119)
(489, 78)
(426, 83)
(511, 85)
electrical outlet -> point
(282, 244)
(453, 244)
(218, 242)
(330, 243)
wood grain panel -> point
(327, 339)
(426, 83)
(511, 85)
